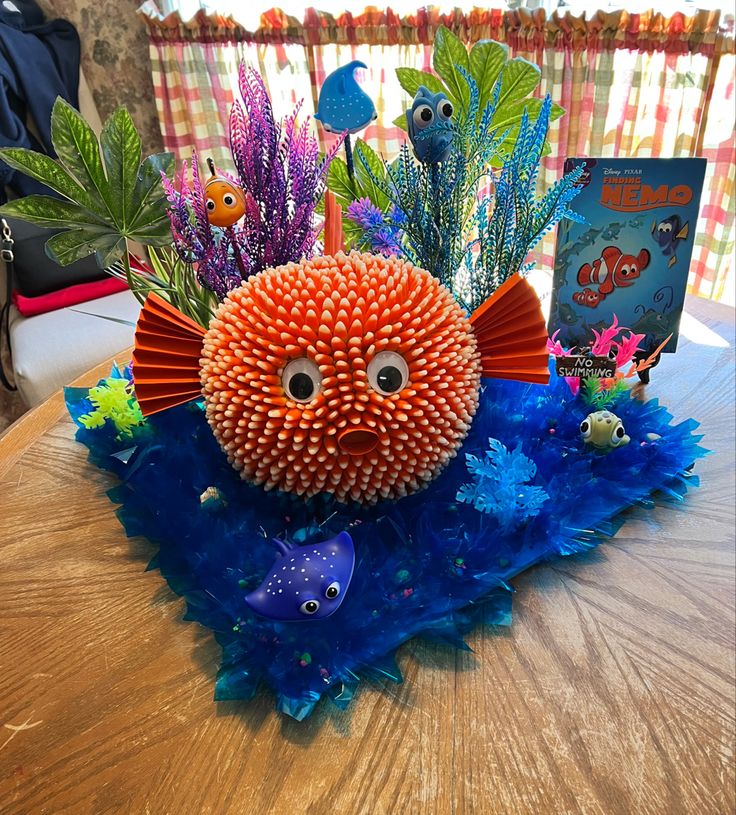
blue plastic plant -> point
(468, 224)
(432, 204)
(501, 485)
(509, 223)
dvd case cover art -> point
(632, 257)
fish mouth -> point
(357, 440)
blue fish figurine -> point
(306, 582)
(343, 104)
(427, 110)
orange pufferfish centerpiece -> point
(356, 375)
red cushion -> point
(70, 296)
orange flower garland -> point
(356, 375)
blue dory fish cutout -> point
(306, 582)
(430, 110)
(668, 233)
(343, 104)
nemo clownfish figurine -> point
(224, 200)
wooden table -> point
(612, 692)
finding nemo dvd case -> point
(632, 257)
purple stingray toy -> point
(306, 582)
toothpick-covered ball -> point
(356, 375)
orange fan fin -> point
(512, 334)
(168, 347)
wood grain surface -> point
(612, 692)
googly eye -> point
(332, 591)
(309, 607)
(423, 116)
(446, 110)
(618, 434)
(388, 372)
(301, 379)
(228, 199)
(612, 354)
(585, 428)
(210, 205)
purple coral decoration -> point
(280, 170)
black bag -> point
(34, 272)
(6, 255)
(31, 272)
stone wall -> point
(115, 59)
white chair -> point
(51, 350)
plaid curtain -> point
(635, 85)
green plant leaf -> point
(148, 200)
(154, 233)
(49, 172)
(509, 118)
(75, 244)
(364, 153)
(121, 149)
(449, 52)
(519, 78)
(410, 80)
(103, 208)
(511, 114)
(76, 145)
(110, 250)
(487, 59)
(52, 213)
(339, 182)
(352, 232)
(507, 146)
(400, 121)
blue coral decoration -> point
(431, 565)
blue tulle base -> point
(427, 565)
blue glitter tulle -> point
(427, 565)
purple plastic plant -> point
(280, 170)
(384, 234)
(195, 240)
